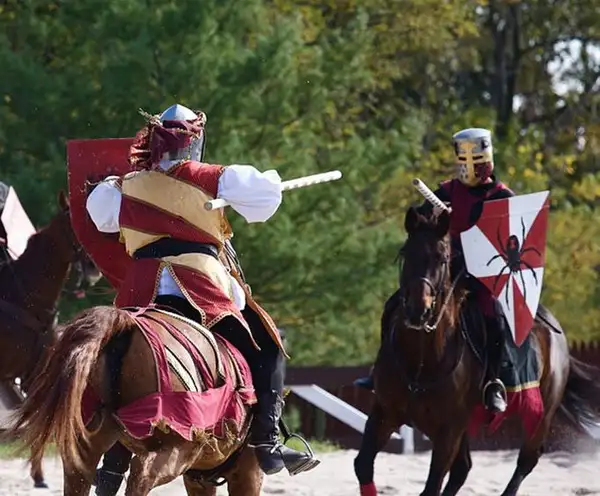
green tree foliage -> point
(374, 88)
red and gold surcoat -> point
(159, 204)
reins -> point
(430, 328)
(432, 324)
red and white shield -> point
(88, 162)
(506, 250)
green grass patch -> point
(8, 451)
(316, 445)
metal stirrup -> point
(287, 435)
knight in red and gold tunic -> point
(183, 259)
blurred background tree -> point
(374, 88)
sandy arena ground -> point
(557, 474)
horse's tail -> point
(581, 400)
(53, 403)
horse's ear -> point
(443, 223)
(411, 221)
(63, 200)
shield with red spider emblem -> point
(505, 250)
(88, 162)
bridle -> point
(432, 323)
(414, 385)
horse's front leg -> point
(378, 429)
(445, 448)
(460, 468)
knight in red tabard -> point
(475, 183)
(182, 258)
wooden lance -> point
(300, 182)
(429, 195)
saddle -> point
(197, 357)
(200, 360)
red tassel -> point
(368, 489)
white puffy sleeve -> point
(254, 195)
(104, 205)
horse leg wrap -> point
(368, 489)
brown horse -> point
(429, 377)
(89, 349)
(30, 288)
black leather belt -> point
(170, 247)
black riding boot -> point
(267, 367)
(272, 455)
(114, 465)
(494, 392)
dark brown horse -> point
(30, 288)
(82, 358)
(427, 376)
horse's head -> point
(84, 272)
(425, 274)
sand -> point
(557, 474)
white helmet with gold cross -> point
(474, 155)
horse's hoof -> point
(40, 485)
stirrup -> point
(495, 382)
(310, 463)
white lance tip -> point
(300, 182)
(428, 194)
